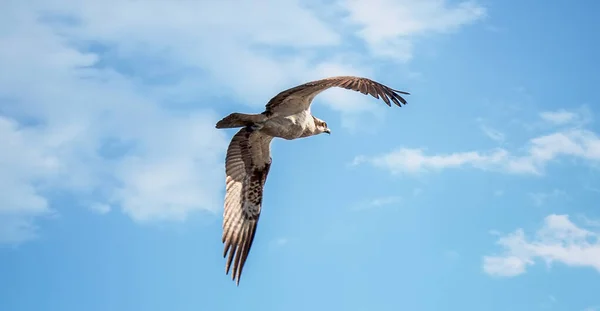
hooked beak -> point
(328, 131)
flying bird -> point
(248, 158)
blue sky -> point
(480, 194)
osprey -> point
(248, 159)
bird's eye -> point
(324, 124)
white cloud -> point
(505, 266)
(93, 131)
(116, 112)
(385, 201)
(575, 143)
(415, 161)
(24, 163)
(389, 26)
(576, 117)
(558, 240)
(100, 208)
(490, 132)
(558, 117)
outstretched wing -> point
(247, 165)
(299, 98)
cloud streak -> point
(558, 240)
(558, 117)
(540, 151)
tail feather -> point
(240, 120)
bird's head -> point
(321, 126)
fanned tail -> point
(240, 120)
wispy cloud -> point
(406, 160)
(490, 132)
(558, 117)
(100, 208)
(385, 201)
(540, 151)
(575, 117)
(122, 113)
(18, 226)
(24, 161)
(389, 27)
(558, 240)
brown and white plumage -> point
(287, 115)
(247, 165)
(300, 97)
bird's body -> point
(248, 160)
(290, 127)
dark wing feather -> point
(247, 165)
(300, 97)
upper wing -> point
(247, 165)
(299, 98)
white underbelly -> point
(288, 127)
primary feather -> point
(247, 165)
